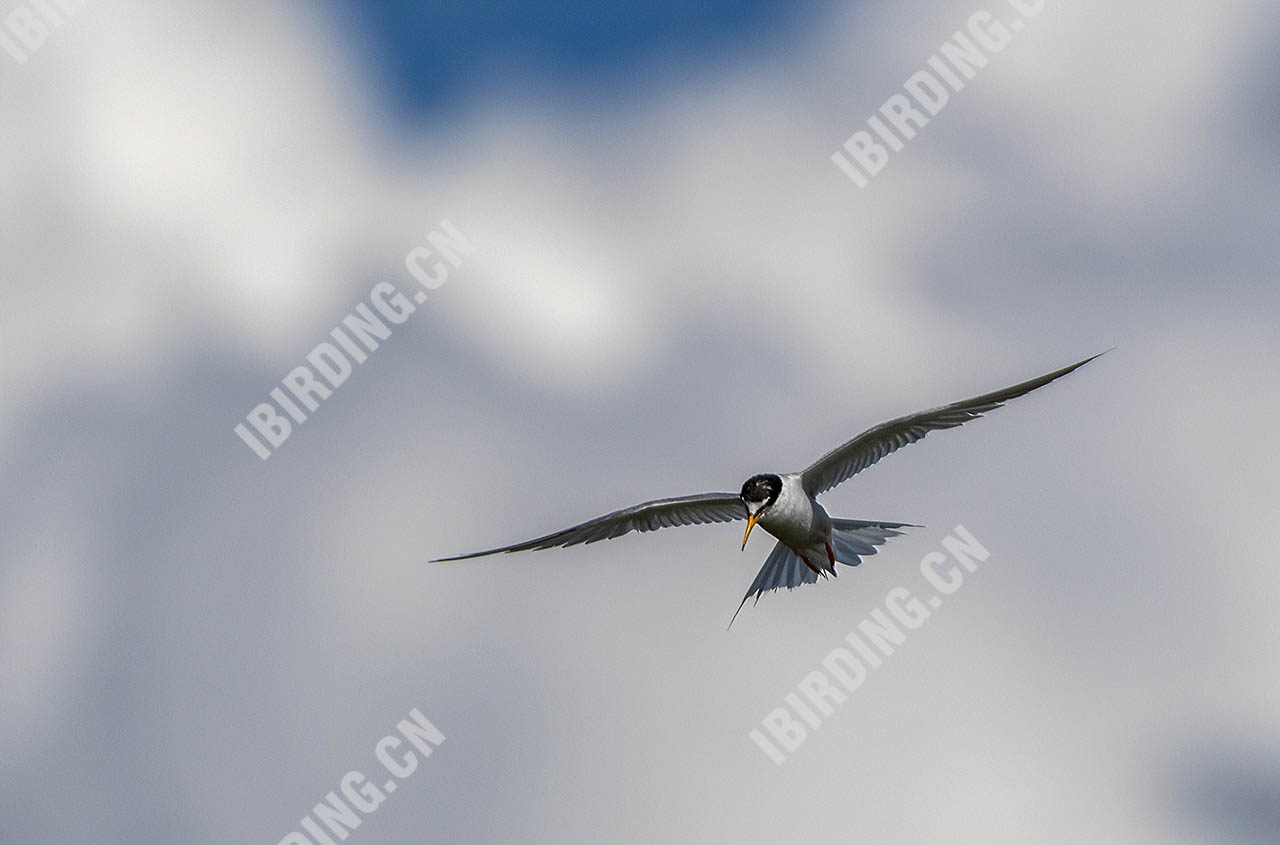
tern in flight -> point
(810, 543)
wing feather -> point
(844, 462)
(649, 516)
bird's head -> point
(759, 492)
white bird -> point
(810, 542)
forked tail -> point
(854, 538)
(851, 540)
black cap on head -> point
(761, 489)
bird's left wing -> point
(873, 444)
(649, 516)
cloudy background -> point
(673, 288)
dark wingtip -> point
(470, 555)
(1054, 376)
(1094, 357)
(1073, 367)
(454, 557)
(463, 557)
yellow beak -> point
(751, 523)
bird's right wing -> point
(873, 444)
(650, 516)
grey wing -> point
(873, 444)
(649, 516)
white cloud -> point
(220, 174)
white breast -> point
(795, 519)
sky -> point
(669, 287)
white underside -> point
(799, 522)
